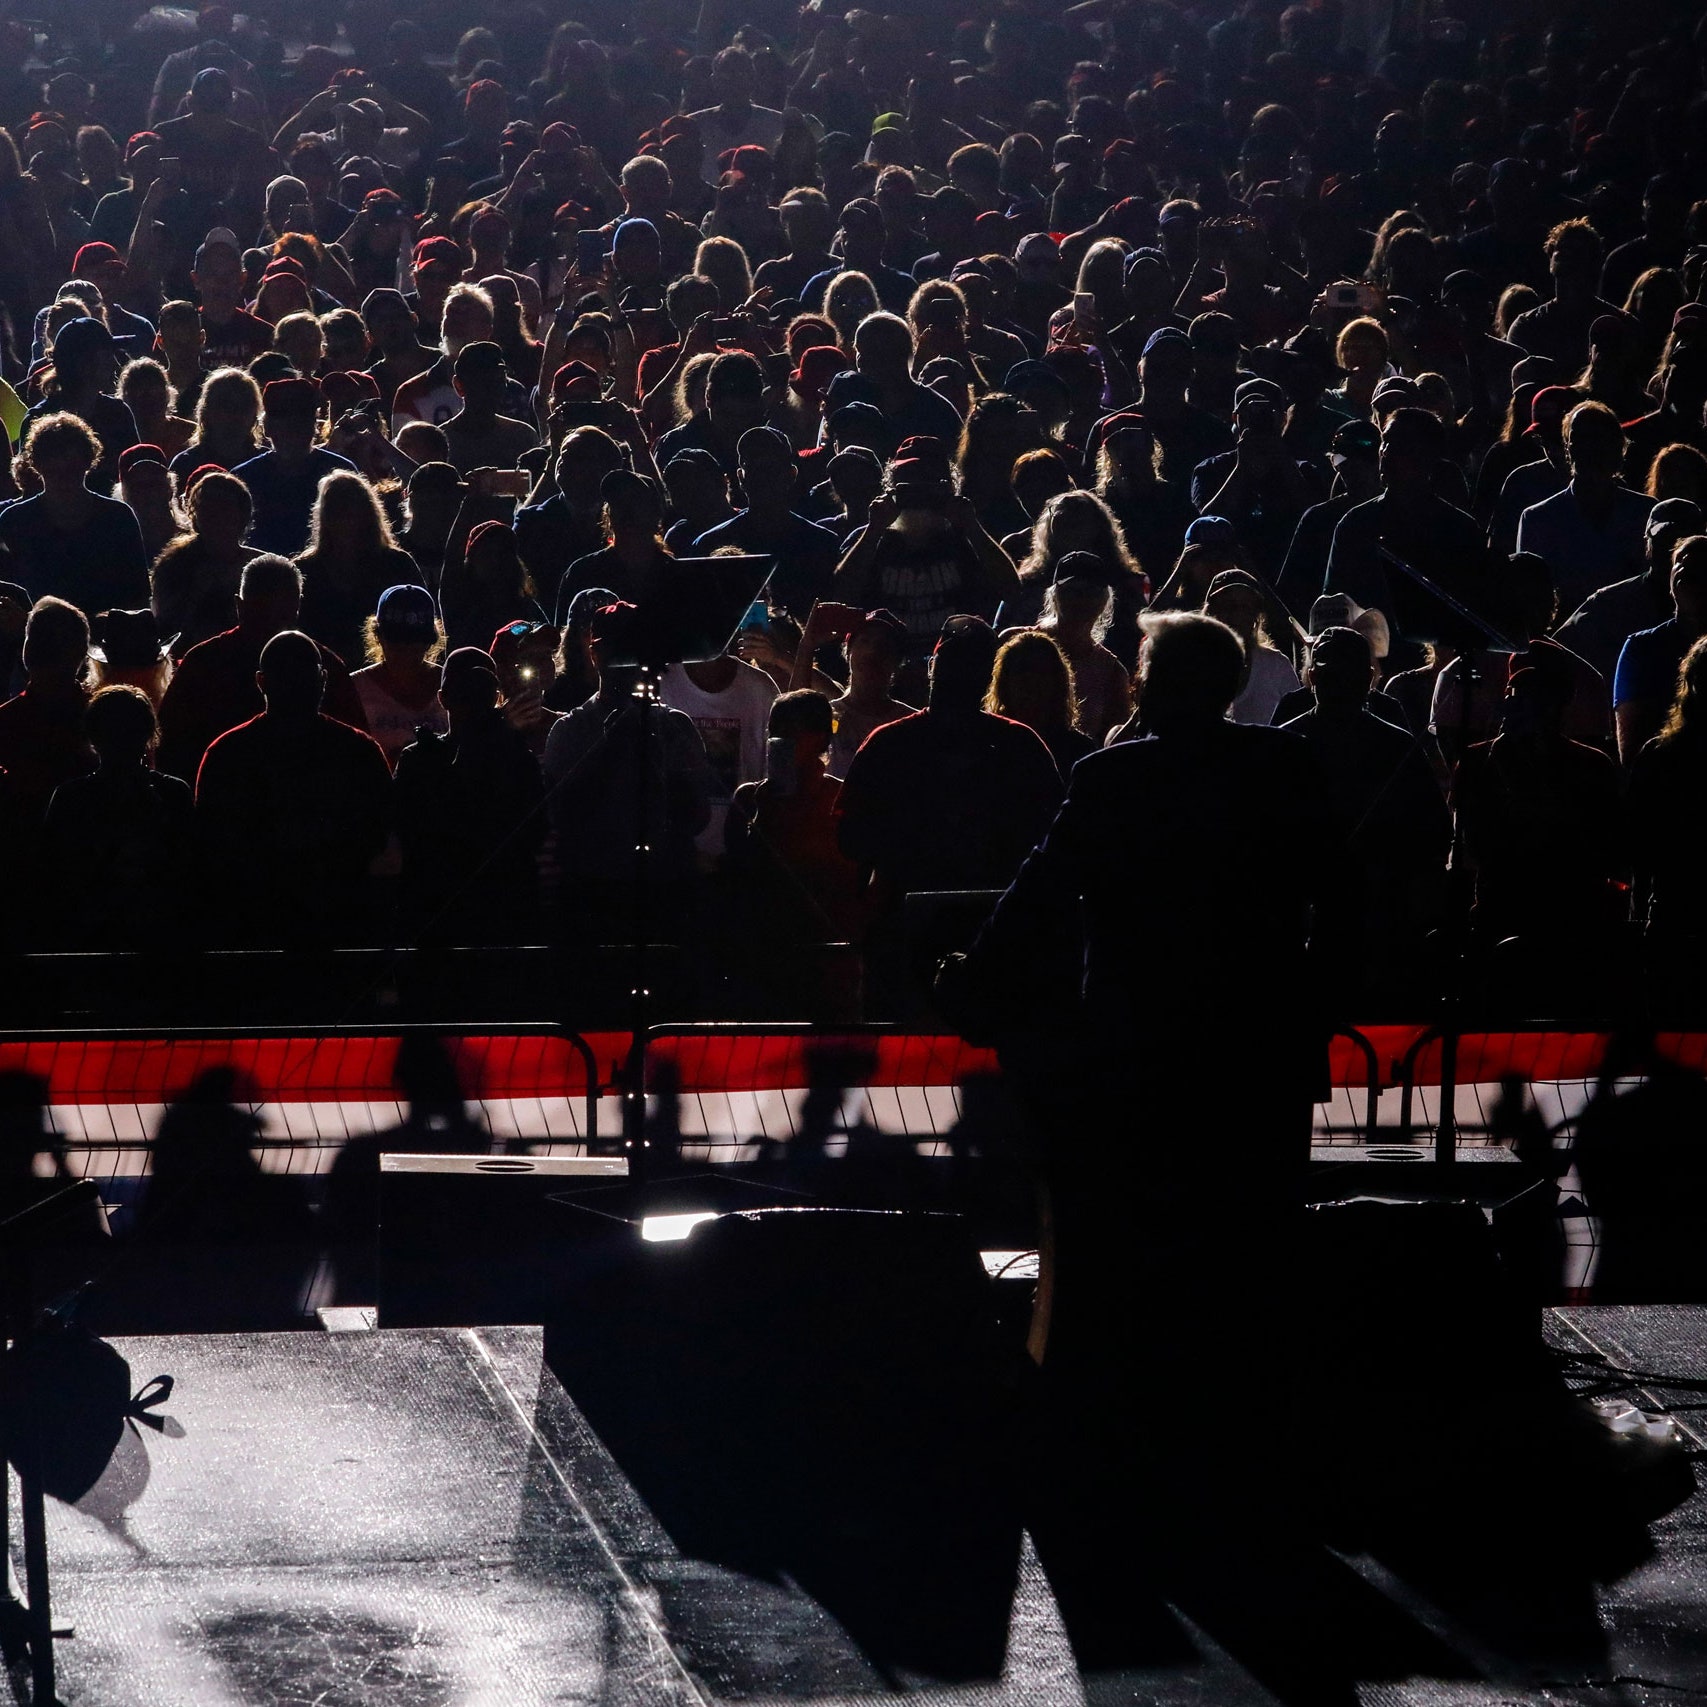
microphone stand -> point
(1446, 1128)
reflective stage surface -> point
(375, 1518)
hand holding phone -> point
(837, 621)
(499, 482)
(589, 253)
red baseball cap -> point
(93, 255)
(134, 454)
(575, 382)
(818, 366)
(445, 250)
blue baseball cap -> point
(1212, 530)
(407, 612)
(1166, 335)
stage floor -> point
(377, 1518)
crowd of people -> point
(372, 382)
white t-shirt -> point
(732, 726)
(762, 128)
(1272, 679)
(392, 723)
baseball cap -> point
(1082, 566)
(80, 337)
(694, 456)
(1258, 390)
(364, 106)
(478, 357)
(858, 417)
(1212, 530)
(466, 662)
(291, 396)
(818, 366)
(1024, 375)
(407, 612)
(132, 455)
(1166, 335)
(221, 237)
(345, 388)
(613, 622)
(1548, 399)
(444, 250)
(624, 483)
(1127, 421)
(93, 255)
(1669, 513)
(885, 623)
(1395, 391)
(1355, 438)
(920, 460)
(575, 382)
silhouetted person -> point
(1667, 805)
(1539, 826)
(1597, 630)
(792, 882)
(220, 1244)
(291, 808)
(283, 480)
(436, 1124)
(470, 816)
(215, 687)
(1639, 1154)
(1388, 810)
(42, 743)
(118, 840)
(25, 1135)
(1412, 522)
(1155, 938)
(1645, 682)
(952, 797)
(593, 769)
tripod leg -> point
(35, 1582)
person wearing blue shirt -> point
(805, 554)
(1645, 682)
(862, 239)
(283, 481)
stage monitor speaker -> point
(815, 1395)
(472, 1240)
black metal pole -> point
(35, 1566)
(640, 994)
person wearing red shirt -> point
(215, 688)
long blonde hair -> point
(1040, 560)
(223, 387)
(346, 491)
(848, 298)
(1028, 647)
